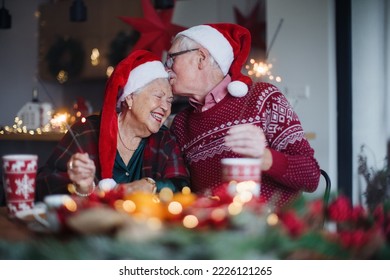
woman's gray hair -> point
(136, 92)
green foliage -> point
(377, 180)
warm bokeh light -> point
(129, 206)
(246, 186)
(235, 208)
(70, 204)
(190, 221)
(146, 205)
(175, 208)
(165, 195)
(59, 122)
(118, 205)
(272, 219)
(95, 57)
(62, 77)
(185, 199)
(218, 214)
(245, 196)
(109, 71)
(186, 190)
(261, 70)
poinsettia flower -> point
(356, 238)
(340, 209)
(358, 213)
(112, 195)
(315, 207)
(294, 225)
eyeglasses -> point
(170, 60)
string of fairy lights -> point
(59, 123)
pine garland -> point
(66, 54)
(176, 243)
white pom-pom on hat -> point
(107, 184)
(237, 88)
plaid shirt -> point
(162, 158)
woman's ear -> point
(129, 100)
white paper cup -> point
(241, 169)
(242, 174)
(53, 202)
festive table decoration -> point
(256, 25)
(350, 232)
(117, 225)
(65, 59)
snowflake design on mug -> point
(25, 186)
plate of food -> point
(35, 217)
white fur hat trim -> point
(107, 184)
(141, 76)
(214, 42)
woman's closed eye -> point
(170, 100)
(158, 96)
(161, 96)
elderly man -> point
(230, 116)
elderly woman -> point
(127, 144)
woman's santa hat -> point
(229, 44)
(134, 72)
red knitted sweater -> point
(201, 138)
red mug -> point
(19, 174)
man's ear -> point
(203, 58)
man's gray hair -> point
(186, 43)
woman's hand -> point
(142, 185)
(81, 170)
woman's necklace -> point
(123, 143)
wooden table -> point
(47, 136)
(14, 229)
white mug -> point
(49, 206)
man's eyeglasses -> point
(170, 60)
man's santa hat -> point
(229, 44)
(134, 72)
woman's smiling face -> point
(151, 106)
